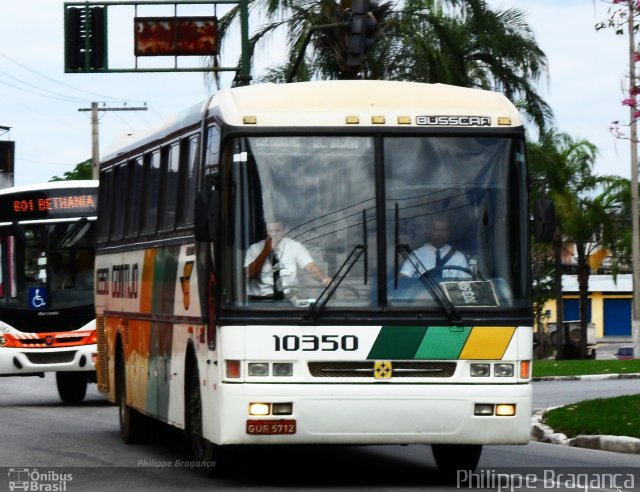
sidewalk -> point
(618, 444)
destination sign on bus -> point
(48, 204)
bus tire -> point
(133, 425)
(453, 457)
(207, 457)
(72, 386)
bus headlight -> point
(480, 370)
(484, 409)
(258, 369)
(282, 369)
(503, 370)
(282, 408)
(3, 341)
(506, 409)
(259, 409)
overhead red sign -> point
(175, 36)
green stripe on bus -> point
(397, 342)
(443, 342)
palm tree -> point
(459, 42)
(469, 45)
(588, 208)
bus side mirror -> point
(206, 216)
(544, 220)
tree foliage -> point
(83, 170)
(459, 42)
(590, 209)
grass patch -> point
(544, 368)
(618, 416)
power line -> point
(65, 99)
(62, 83)
(54, 95)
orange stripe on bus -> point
(148, 274)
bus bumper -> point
(374, 414)
(21, 361)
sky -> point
(584, 87)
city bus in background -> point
(354, 170)
(47, 315)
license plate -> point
(271, 427)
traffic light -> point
(362, 31)
(85, 39)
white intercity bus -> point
(47, 314)
(331, 187)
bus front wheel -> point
(453, 457)
(72, 386)
(206, 455)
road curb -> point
(543, 433)
(591, 377)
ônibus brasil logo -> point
(32, 479)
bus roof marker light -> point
(352, 120)
(404, 120)
(504, 121)
(250, 120)
(378, 120)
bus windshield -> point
(400, 222)
(52, 261)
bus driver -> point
(437, 255)
(271, 265)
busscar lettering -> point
(124, 281)
(453, 120)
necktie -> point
(278, 293)
(438, 259)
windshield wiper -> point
(317, 307)
(429, 283)
(70, 236)
(358, 250)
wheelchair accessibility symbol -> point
(37, 297)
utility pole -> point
(635, 211)
(95, 135)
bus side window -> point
(118, 211)
(188, 179)
(134, 192)
(168, 197)
(212, 158)
(151, 190)
(106, 188)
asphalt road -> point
(79, 447)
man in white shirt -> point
(271, 265)
(436, 256)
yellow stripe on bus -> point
(487, 342)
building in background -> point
(7, 158)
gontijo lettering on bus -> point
(124, 281)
